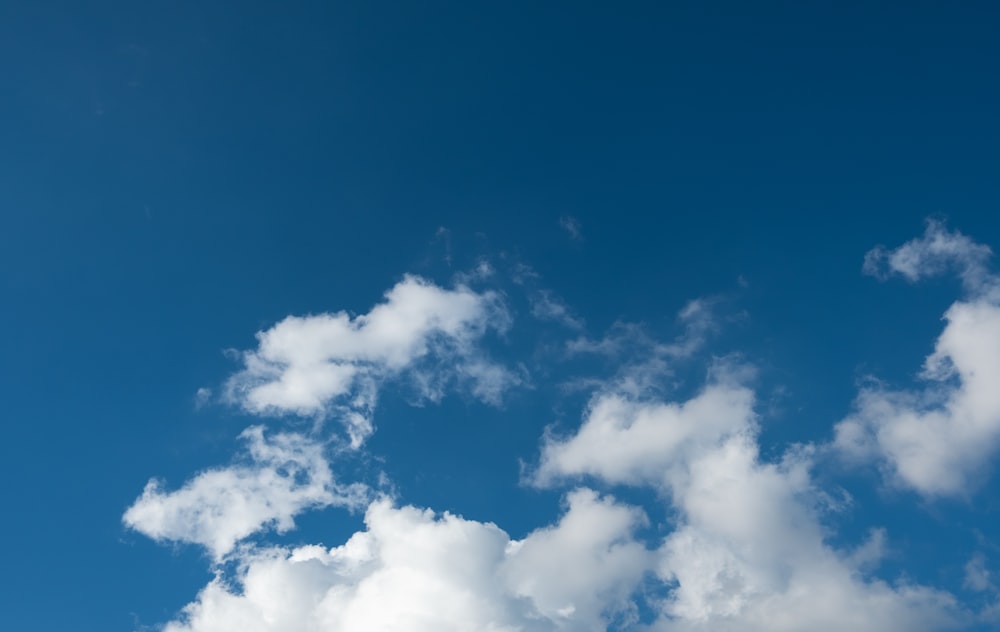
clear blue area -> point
(175, 176)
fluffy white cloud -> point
(750, 555)
(583, 568)
(626, 441)
(748, 549)
(939, 439)
(413, 571)
(333, 363)
(286, 474)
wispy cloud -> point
(936, 252)
(698, 318)
(545, 305)
(572, 227)
(644, 362)
(977, 576)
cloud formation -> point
(938, 251)
(333, 364)
(744, 549)
(625, 441)
(939, 438)
(285, 474)
(748, 548)
(412, 570)
(737, 541)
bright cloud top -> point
(333, 363)
(938, 439)
(626, 441)
(286, 474)
(748, 550)
(414, 571)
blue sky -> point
(685, 314)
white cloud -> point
(749, 555)
(413, 571)
(744, 545)
(748, 549)
(583, 567)
(625, 441)
(938, 251)
(939, 439)
(286, 474)
(333, 364)
(868, 555)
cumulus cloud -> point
(333, 364)
(939, 438)
(285, 474)
(748, 550)
(743, 543)
(749, 555)
(626, 441)
(414, 571)
(583, 569)
(745, 548)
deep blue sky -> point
(175, 176)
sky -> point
(538, 317)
